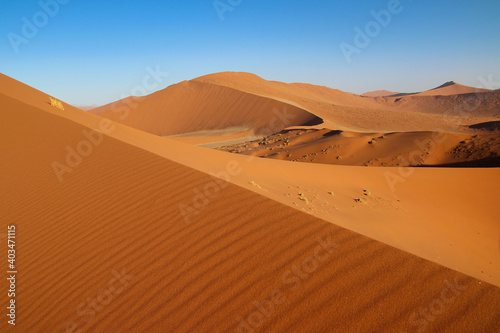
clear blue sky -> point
(93, 52)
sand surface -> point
(229, 99)
(315, 145)
(111, 247)
(379, 93)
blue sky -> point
(94, 52)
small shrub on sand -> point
(367, 193)
(255, 184)
(371, 142)
(304, 199)
(55, 103)
(360, 200)
(330, 192)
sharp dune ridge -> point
(446, 89)
(112, 232)
(193, 106)
(452, 88)
(244, 99)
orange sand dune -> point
(374, 149)
(29, 95)
(344, 111)
(379, 93)
(108, 249)
(198, 139)
(452, 88)
(424, 211)
(229, 99)
(194, 106)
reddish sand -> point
(346, 111)
(452, 88)
(198, 139)
(375, 149)
(379, 93)
(222, 100)
(247, 261)
(192, 106)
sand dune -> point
(379, 93)
(107, 249)
(374, 149)
(344, 111)
(229, 99)
(194, 106)
(204, 137)
(395, 216)
(452, 88)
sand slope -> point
(194, 106)
(379, 93)
(373, 149)
(107, 249)
(457, 228)
(229, 99)
(452, 88)
(344, 111)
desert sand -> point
(379, 93)
(451, 88)
(247, 99)
(373, 149)
(122, 229)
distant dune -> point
(452, 88)
(379, 93)
(377, 149)
(341, 110)
(141, 233)
(195, 106)
(87, 108)
(488, 126)
(233, 99)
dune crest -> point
(452, 88)
(111, 249)
(192, 106)
(379, 93)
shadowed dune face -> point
(490, 126)
(346, 111)
(446, 89)
(452, 88)
(195, 106)
(458, 109)
(108, 250)
(229, 99)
